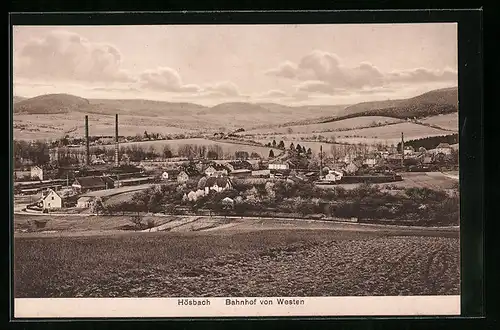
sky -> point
(212, 64)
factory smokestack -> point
(402, 150)
(117, 159)
(87, 148)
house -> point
(370, 162)
(51, 200)
(228, 203)
(278, 166)
(36, 172)
(84, 202)
(334, 176)
(217, 184)
(443, 148)
(182, 177)
(92, 183)
(241, 173)
(209, 171)
(261, 173)
(409, 150)
(169, 174)
(239, 165)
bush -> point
(137, 221)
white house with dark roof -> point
(36, 172)
(217, 184)
(51, 200)
(182, 177)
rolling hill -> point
(433, 103)
(51, 103)
(17, 99)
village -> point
(96, 176)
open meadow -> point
(233, 263)
(346, 124)
(447, 121)
(54, 126)
(227, 147)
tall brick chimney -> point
(117, 159)
(87, 148)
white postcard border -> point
(219, 307)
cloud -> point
(284, 70)
(274, 93)
(315, 86)
(423, 75)
(225, 88)
(64, 55)
(320, 71)
(165, 79)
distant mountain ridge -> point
(436, 102)
(241, 114)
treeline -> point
(37, 153)
(430, 142)
(403, 112)
(417, 206)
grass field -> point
(448, 121)
(227, 147)
(117, 191)
(48, 126)
(350, 123)
(264, 263)
(372, 135)
(431, 180)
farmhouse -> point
(92, 183)
(36, 172)
(261, 173)
(228, 202)
(443, 148)
(215, 169)
(84, 202)
(169, 174)
(333, 176)
(217, 184)
(239, 165)
(278, 165)
(51, 200)
(182, 177)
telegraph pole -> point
(320, 162)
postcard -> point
(236, 170)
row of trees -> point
(367, 202)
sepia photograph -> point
(269, 167)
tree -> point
(298, 148)
(137, 221)
(271, 153)
(255, 155)
(97, 206)
(309, 151)
(241, 155)
(292, 147)
(167, 152)
(281, 145)
(211, 154)
(146, 135)
(274, 143)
